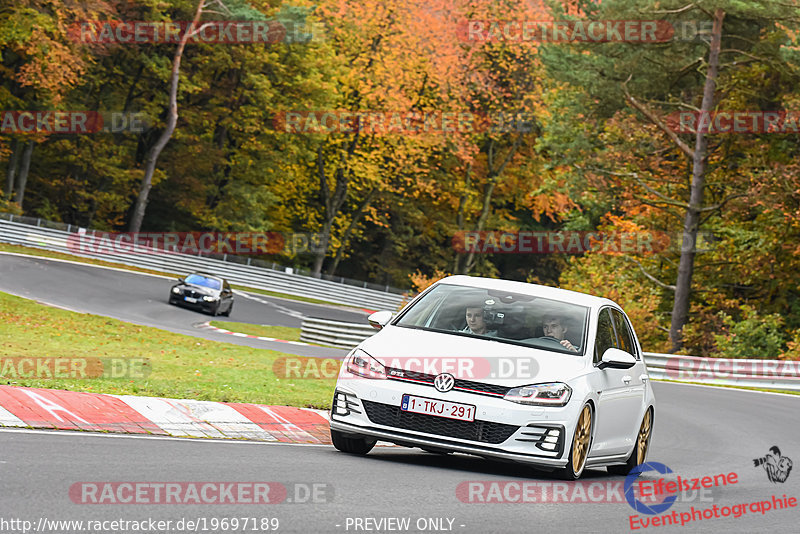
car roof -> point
(554, 293)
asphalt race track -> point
(142, 299)
(699, 431)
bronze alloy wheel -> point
(580, 443)
(644, 437)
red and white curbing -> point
(209, 326)
(71, 410)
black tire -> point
(639, 452)
(214, 310)
(227, 312)
(580, 446)
(352, 445)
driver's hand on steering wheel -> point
(569, 345)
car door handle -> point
(627, 379)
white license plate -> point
(190, 299)
(438, 408)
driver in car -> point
(553, 326)
(476, 323)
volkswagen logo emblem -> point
(444, 382)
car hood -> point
(488, 361)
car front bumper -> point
(199, 305)
(502, 429)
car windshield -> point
(200, 280)
(501, 316)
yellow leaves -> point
(420, 282)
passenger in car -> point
(553, 326)
(476, 324)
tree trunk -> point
(481, 223)
(11, 170)
(494, 173)
(680, 309)
(346, 236)
(331, 201)
(319, 254)
(172, 119)
(462, 204)
(22, 178)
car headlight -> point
(551, 394)
(362, 364)
(176, 290)
(209, 299)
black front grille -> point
(481, 388)
(467, 386)
(482, 431)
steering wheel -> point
(550, 340)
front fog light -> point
(552, 394)
(209, 299)
(344, 404)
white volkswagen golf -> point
(504, 370)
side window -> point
(225, 286)
(605, 335)
(625, 336)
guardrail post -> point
(38, 221)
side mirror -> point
(181, 280)
(617, 359)
(379, 319)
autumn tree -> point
(694, 71)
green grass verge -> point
(30, 251)
(286, 333)
(182, 366)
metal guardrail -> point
(334, 333)
(752, 373)
(767, 374)
(238, 270)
